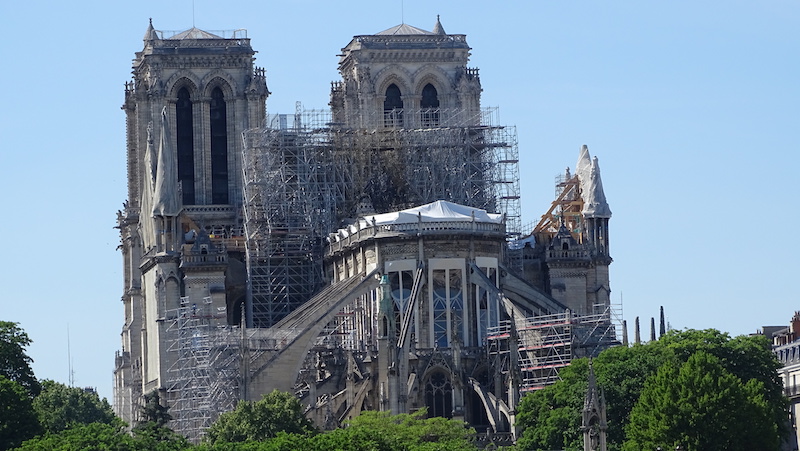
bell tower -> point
(191, 96)
(406, 77)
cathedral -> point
(366, 257)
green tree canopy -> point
(151, 436)
(260, 420)
(17, 417)
(370, 431)
(98, 436)
(101, 436)
(15, 364)
(59, 406)
(153, 412)
(550, 418)
(701, 406)
(413, 432)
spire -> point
(625, 333)
(652, 329)
(150, 34)
(594, 199)
(594, 424)
(438, 28)
(165, 197)
(147, 231)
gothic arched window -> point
(429, 104)
(219, 148)
(439, 395)
(401, 283)
(393, 107)
(185, 145)
(447, 307)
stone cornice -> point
(149, 261)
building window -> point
(185, 145)
(429, 106)
(219, 148)
(401, 283)
(393, 107)
(439, 395)
(448, 307)
(487, 307)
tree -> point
(550, 418)
(101, 436)
(260, 420)
(14, 363)
(17, 417)
(59, 406)
(374, 431)
(413, 432)
(153, 412)
(151, 436)
(152, 432)
(701, 406)
(98, 436)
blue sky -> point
(690, 106)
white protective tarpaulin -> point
(439, 211)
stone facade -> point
(399, 317)
(786, 346)
(209, 92)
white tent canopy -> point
(439, 211)
(434, 212)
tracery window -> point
(393, 107)
(486, 304)
(401, 283)
(448, 307)
(439, 395)
(219, 148)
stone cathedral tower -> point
(406, 77)
(192, 95)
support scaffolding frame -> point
(203, 380)
(304, 177)
(547, 343)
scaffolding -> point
(203, 379)
(304, 177)
(565, 209)
(547, 343)
(289, 191)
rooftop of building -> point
(405, 36)
(435, 218)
